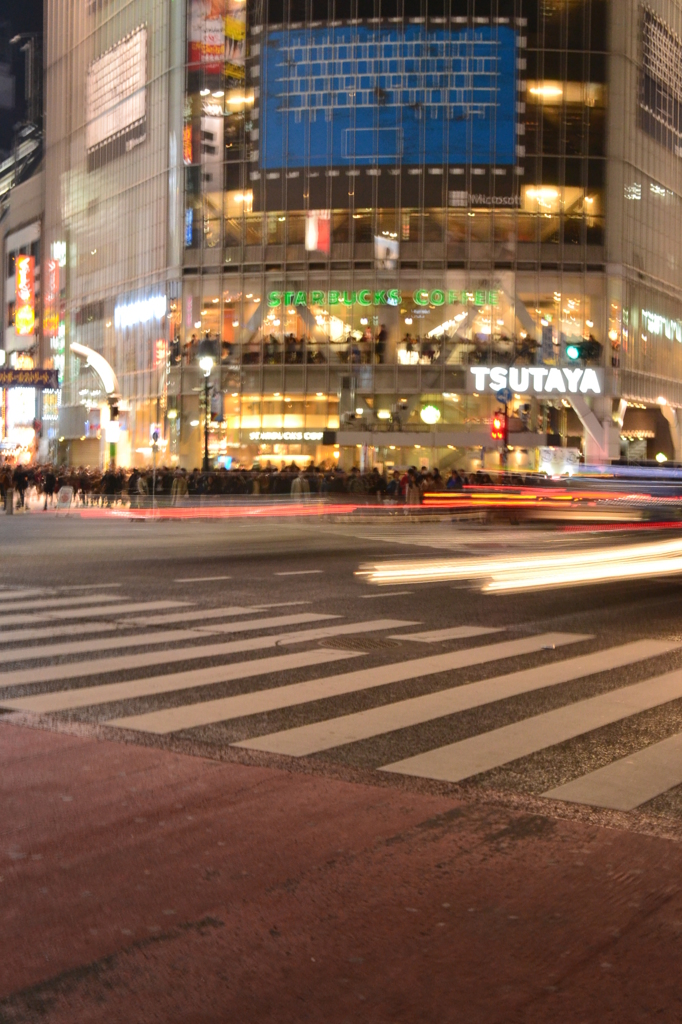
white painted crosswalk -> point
(125, 662)
(89, 612)
(159, 637)
(193, 715)
(310, 739)
(150, 686)
(489, 750)
(152, 651)
(630, 781)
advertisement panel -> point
(216, 37)
(116, 117)
(24, 283)
(206, 35)
(362, 95)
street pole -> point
(155, 438)
(206, 415)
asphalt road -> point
(256, 649)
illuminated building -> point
(360, 205)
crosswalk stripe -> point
(91, 586)
(213, 613)
(120, 663)
(152, 686)
(201, 579)
(630, 781)
(192, 715)
(103, 665)
(335, 732)
(47, 632)
(89, 613)
(469, 757)
(110, 643)
(433, 636)
(10, 595)
(56, 602)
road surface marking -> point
(200, 579)
(300, 572)
(9, 595)
(101, 666)
(434, 636)
(630, 781)
(212, 613)
(489, 750)
(91, 586)
(89, 613)
(46, 632)
(168, 636)
(57, 602)
(392, 593)
(66, 700)
(192, 715)
(335, 732)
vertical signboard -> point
(24, 317)
(51, 299)
(235, 39)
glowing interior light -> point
(546, 91)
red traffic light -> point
(498, 427)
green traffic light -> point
(573, 352)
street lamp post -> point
(206, 364)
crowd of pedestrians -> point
(41, 484)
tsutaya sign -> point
(537, 380)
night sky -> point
(16, 16)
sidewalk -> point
(138, 885)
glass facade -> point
(350, 206)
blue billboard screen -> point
(354, 94)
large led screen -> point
(361, 95)
(116, 117)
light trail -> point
(533, 572)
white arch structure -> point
(99, 364)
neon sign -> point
(24, 316)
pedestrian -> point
(300, 488)
(49, 483)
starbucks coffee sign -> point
(542, 381)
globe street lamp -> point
(206, 361)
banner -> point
(235, 39)
(24, 315)
(206, 35)
(29, 379)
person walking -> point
(19, 480)
(300, 488)
(49, 483)
(179, 489)
(413, 494)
